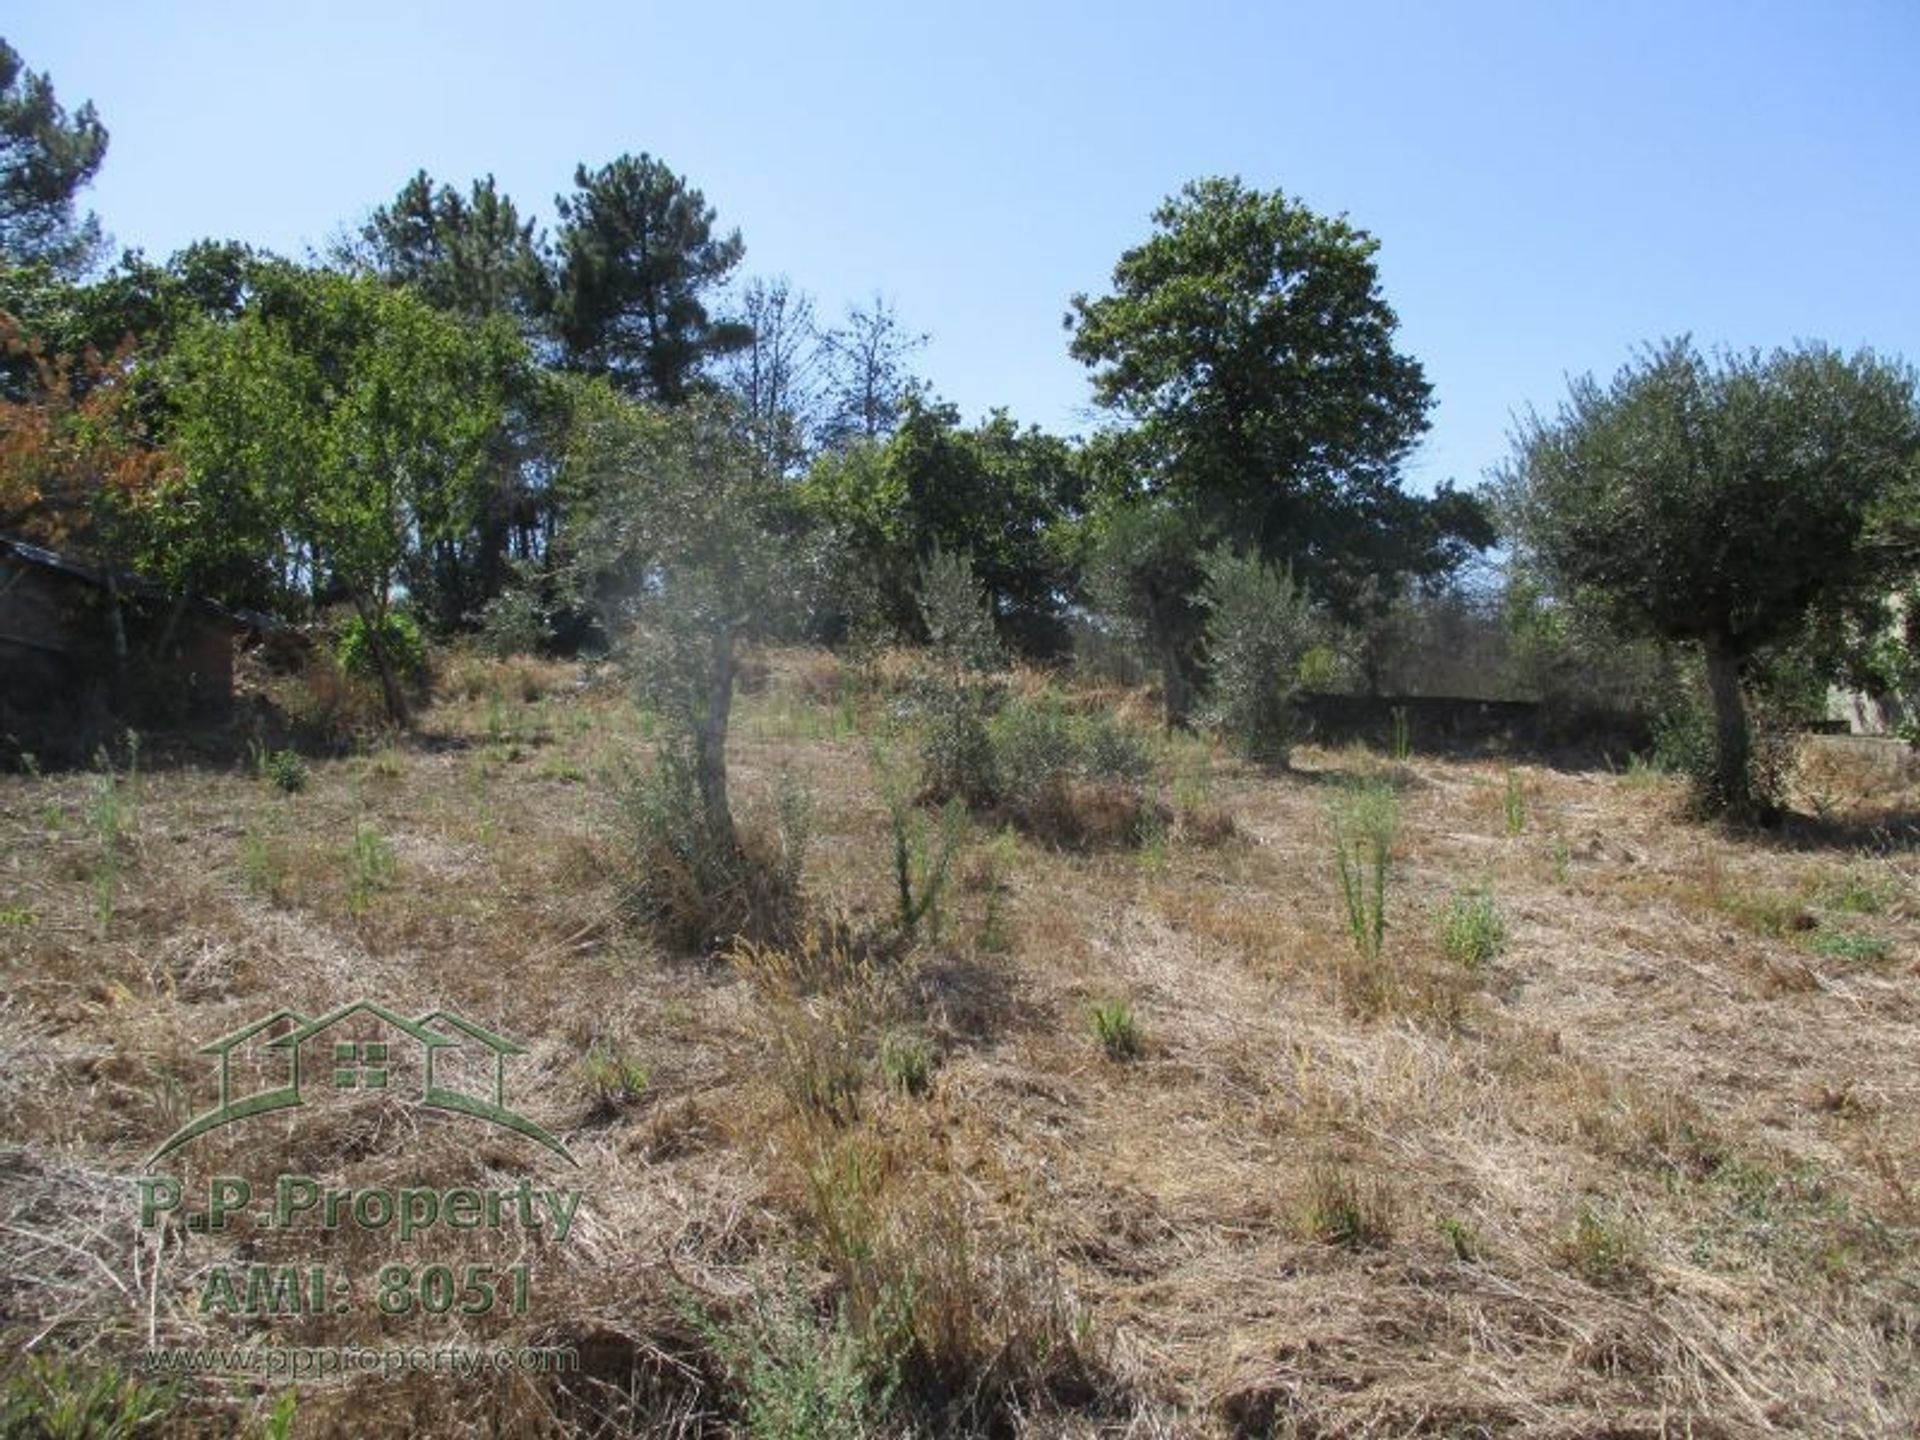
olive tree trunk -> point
(1732, 731)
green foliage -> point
(955, 611)
(1365, 820)
(470, 254)
(1249, 345)
(958, 758)
(922, 854)
(284, 770)
(514, 622)
(675, 528)
(110, 818)
(279, 1421)
(1603, 1249)
(385, 409)
(1471, 930)
(637, 257)
(1259, 627)
(1117, 1029)
(46, 159)
(1461, 1238)
(52, 1398)
(393, 636)
(1851, 946)
(994, 493)
(697, 888)
(1037, 747)
(1717, 502)
(800, 1378)
(1112, 751)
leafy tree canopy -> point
(46, 158)
(1720, 501)
(638, 257)
(471, 254)
(1249, 347)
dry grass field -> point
(1616, 1130)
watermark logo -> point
(339, 1050)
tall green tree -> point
(327, 435)
(1250, 358)
(46, 158)
(1719, 502)
(993, 492)
(638, 258)
(468, 253)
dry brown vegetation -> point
(1650, 1166)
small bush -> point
(1259, 629)
(1471, 930)
(401, 641)
(957, 754)
(955, 610)
(1036, 750)
(1117, 1029)
(1113, 752)
(514, 622)
(698, 891)
(797, 1377)
(285, 771)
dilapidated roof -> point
(127, 583)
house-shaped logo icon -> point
(338, 1051)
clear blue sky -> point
(1552, 183)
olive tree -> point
(1716, 501)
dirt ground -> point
(1645, 1163)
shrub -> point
(400, 639)
(906, 1061)
(1113, 752)
(696, 889)
(1471, 930)
(1259, 628)
(797, 1377)
(1035, 749)
(615, 1078)
(285, 771)
(1603, 1250)
(955, 610)
(514, 622)
(957, 753)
